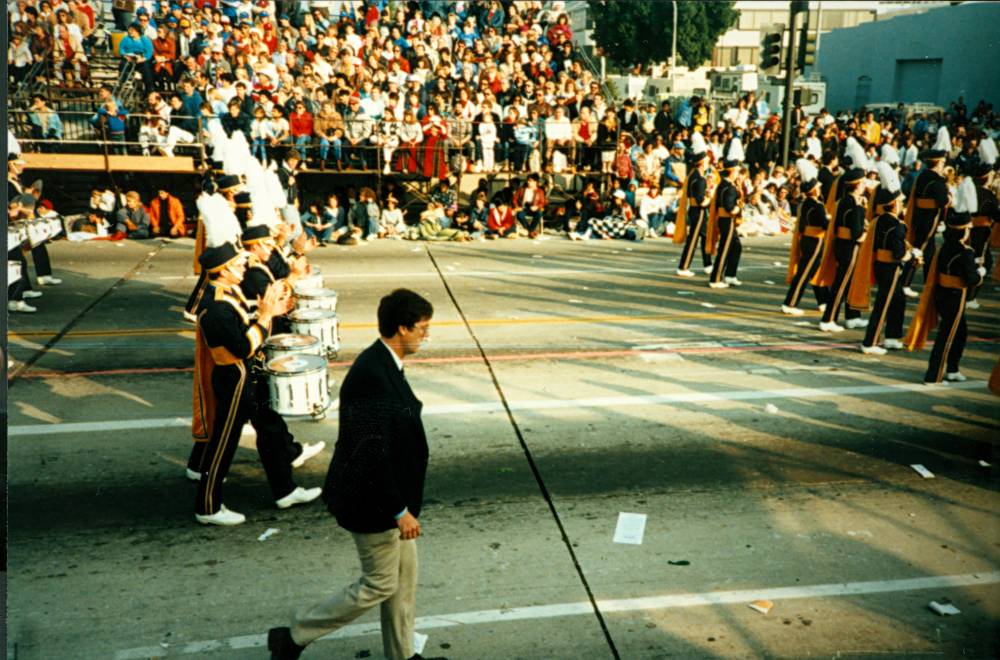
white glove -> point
(916, 253)
(980, 260)
(982, 271)
(940, 228)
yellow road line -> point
(541, 320)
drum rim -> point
(292, 315)
(319, 292)
(318, 368)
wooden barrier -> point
(94, 162)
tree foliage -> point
(639, 31)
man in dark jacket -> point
(375, 486)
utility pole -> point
(797, 7)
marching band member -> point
(228, 342)
(840, 252)
(807, 243)
(983, 220)
(724, 218)
(691, 214)
(925, 208)
(216, 206)
(887, 246)
(953, 271)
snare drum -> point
(316, 299)
(38, 231)
(289, 344)
(320, 323)
(299, 386)
(55, 227)
(313, 280)
(13, 239)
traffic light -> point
(806, 47)
(770, 49)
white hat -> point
(735, 151)
(887, 176)
(943, 141)
(619, 194)
(988, 151)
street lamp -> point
(673, 47)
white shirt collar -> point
(395, 358)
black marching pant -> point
(810, 254)
(16, 290)
(846, 252)
(890, 304)
(43, 265)
(695, 232)
(952, 333)
(236, 392)
(727, 257)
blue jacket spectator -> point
(136, 45)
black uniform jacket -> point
(380, 460)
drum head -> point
(316, 293)
(307, 315)
(297, 364)
(290, 341)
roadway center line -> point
(544, 404)
(536, 612)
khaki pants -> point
(388, 578)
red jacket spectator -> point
(300, 124)
(501, 220)
(166, 203)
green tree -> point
(639, 31)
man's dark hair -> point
(402, 307)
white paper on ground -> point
(984, 464)
(630, 528)
(419, 641)
(685, 293)
(922, 471)
(771, 408)
(271, 531)
(768, 281)
(944, 609)
(575, 301)
(708, 305)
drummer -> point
(258, 242)
(19, 289)
(228, 388)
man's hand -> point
(409, 527)
(299, 266)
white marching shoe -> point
(20, 306)
(972, 304)
(189, 317)
(822, 308)
(854, 324)
(873, 350)
(708, 270)
(32, 294)
(719, 285)
(830, 327)
(791, 311)
(732, 281)
(48, 279)
(893, 344)
(223, 517)
(910, 293)
(955, 377)
(308, 451)
(299, 496)
(192, 475)
(685, 273)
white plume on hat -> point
(943, 141)
(807, 169)
(218, 139)
(735, 151)
(988, 151)
(272, 184)
(236, 156)
(263, 206)
(857, 154)
(889, 155)
(697, 143)
(888, 177)
(966, 200)
(221, 225)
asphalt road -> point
(564, 383)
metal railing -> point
(31, 83)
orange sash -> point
(908, 217)
(680, 220)
(712, 230)
(995, 237)
(831, 197)
(203, 400)
(827, 271)
(858, 296)
(995, 379)
(926, 317)
(199, 245)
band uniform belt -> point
(844, 233)
(950, 281)
(885, 257)
(926, 203)
(813, 232)
(981, 221)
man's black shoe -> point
(281, 645)
(417, 656)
